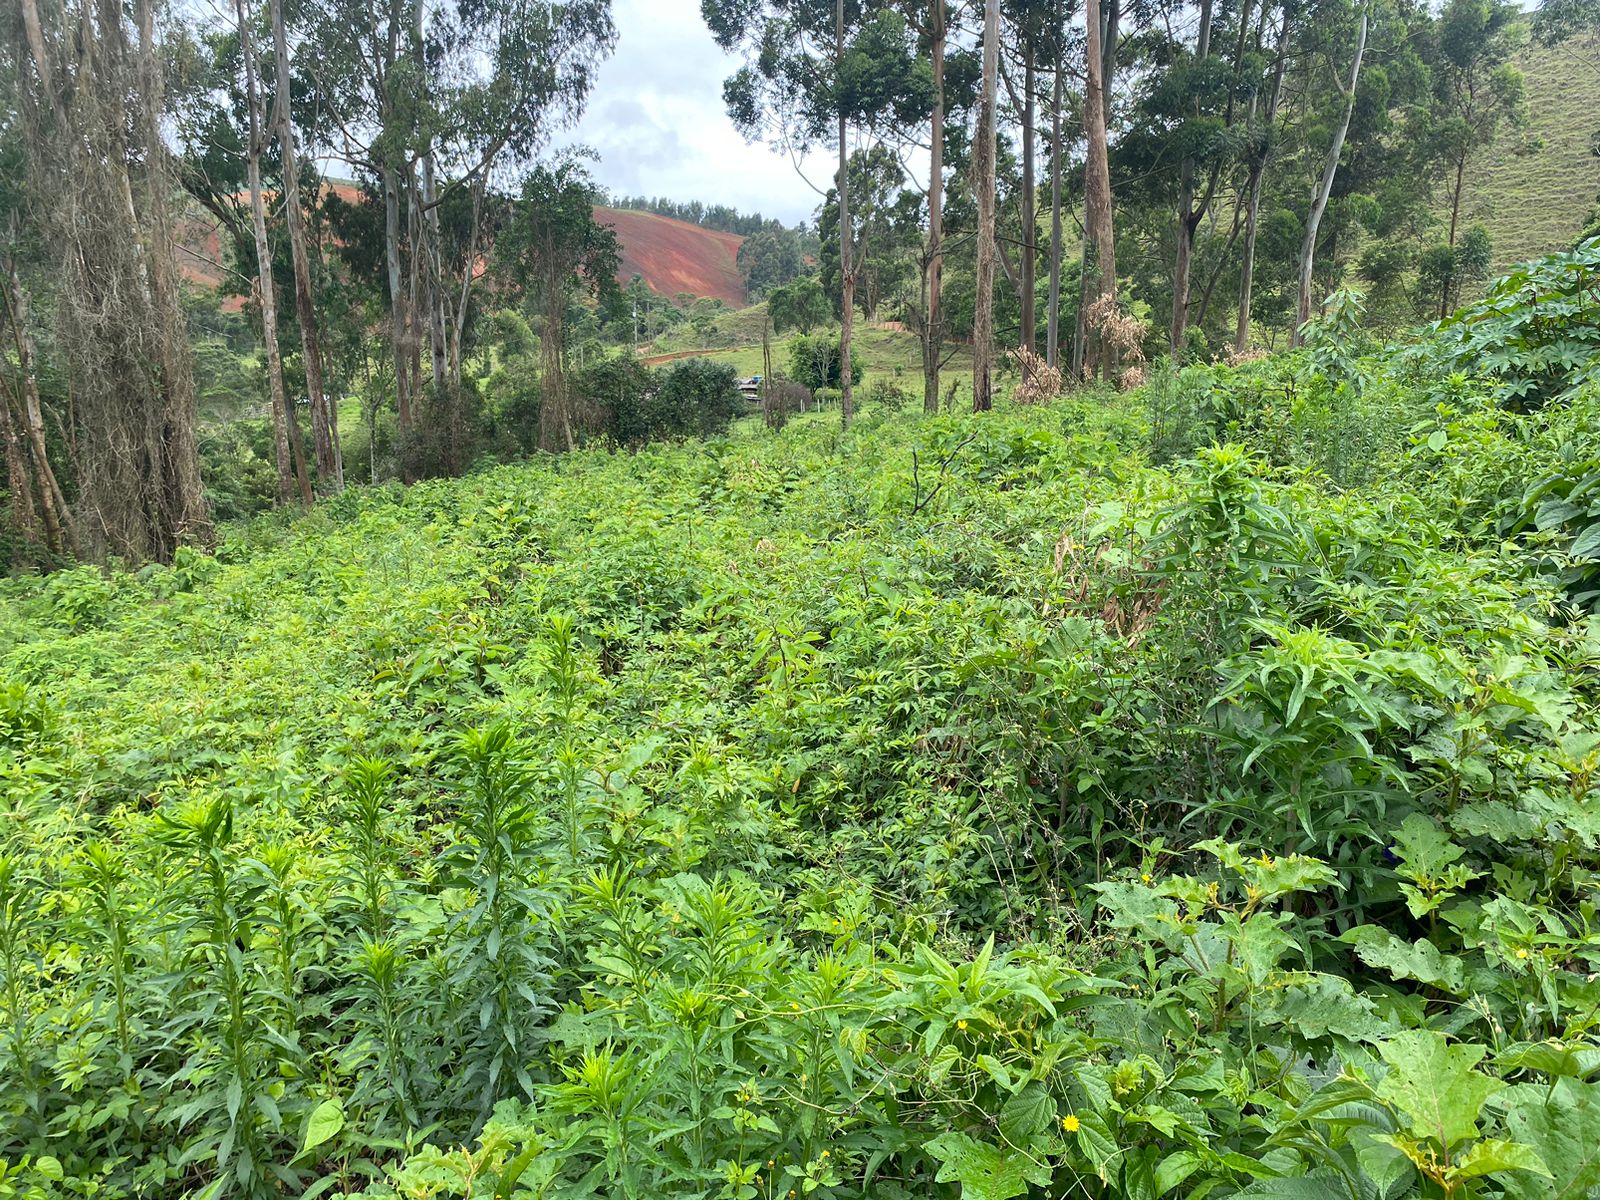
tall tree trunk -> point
(1319, 202)
(1446, 292)
(1030, 236)
(1107, 27)
(555, 423)
(847, 266)
(983, 167)
(324, 415)
(1258, 174)
(288, 467)
(1100, 275)
(397, 297)
(1189, 213)
(57, 517)
(1053, 317)
(933, 283)
(467, 275)
(183, 514)
(19, 481)
(121, 325)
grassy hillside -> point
(1534, 188)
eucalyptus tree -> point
(1324, 186)
(552, 249)
(428, 99)
(1100, 247)
(286, 432)
(814, 70)
(87, 81)
(1262, 145)
(983, 162)
(1475, 88)
(324, 414)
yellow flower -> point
(824, 1154)
(961, 1024)
(1522, 953)
(1070, 1124)
(1145, 877)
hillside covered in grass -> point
(1188, 792)
(1534, 188)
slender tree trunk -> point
(1319, 202)
(847, 266)
(19, 482)
(1029, 270)
(60, 537)
(324, 415)
(1189, 214)
(397, 296)
(1455, 198)
(933, 333)
(1053, 317)
(467, 274)
(282, 417)
(183, 515)
(1107, 26)
(1446, 292)
(1258, 174)
(983, 166)
(1100, 275)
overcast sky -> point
(656, 118)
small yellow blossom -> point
(825, 1154)
(1522, 953)
(1146, 877)
(1070, 1124)
(961, 1024)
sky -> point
(657, 120)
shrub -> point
(814, 362)
(886, 394)
(611, 397)
(696, 397)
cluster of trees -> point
(124, 124)
(1033, 173)
(1008, 172)
(720, 217)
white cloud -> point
(657, 120)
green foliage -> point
(951, 806)
(799, 305)
(1536, 332)
(814, 362)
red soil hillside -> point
(675, 256)
(671, 256)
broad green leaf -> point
(50, 1167)
(1174, 1169)
(1420, 960)
(1587, 543)
(327, 1119)
(1561, 1123)
(1431, 1081)
(1492, 1156)
(985, 1172)
(1026, 1115)
(1319, 1185)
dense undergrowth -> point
(1045, 802)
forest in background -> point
(1244, 161)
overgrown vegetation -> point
(1187, 793)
